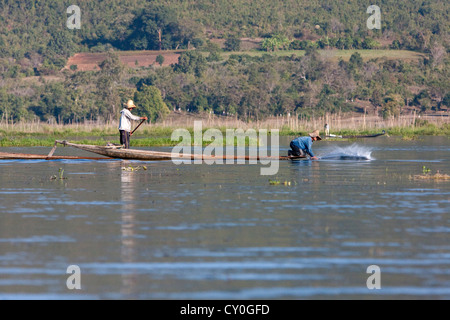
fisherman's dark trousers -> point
(296, 151)
(125, 139)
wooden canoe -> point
(357, 137)
(146, 155)
(24, 156)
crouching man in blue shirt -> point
(303, 145)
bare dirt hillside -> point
(132, 59)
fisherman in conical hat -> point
(302, 146)
(327, 129)
(125, 123)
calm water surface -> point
(223, 232)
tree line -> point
(34, 41)
(248, 87)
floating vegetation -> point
(131, 168)
(410, 138)
(281, 183)
(428, 176)
(436, 176)
(60, 175)
(426, 170)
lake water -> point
(223, 232)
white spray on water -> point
(353, 152)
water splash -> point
(353, 152)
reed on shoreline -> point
(41, 134)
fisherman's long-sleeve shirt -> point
(125, 120)
(304, 143)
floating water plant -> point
(60, 175)
(131, 168)
(274, 182)
(428, 176)
(279, 183)
(426, 170)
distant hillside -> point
(255, 59)
(37, 29)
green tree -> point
(370, 43)
(269, 44)
(358, 43)
(191, 62)
(214, 56)
(423, 100)
(446, 100)
(150, 103)
(392, 105)
(197, 43)
(377, 98)
(275, 42)
(297, 45)
(12, 107)
(199, 104)
(160, 59)
(61, 43)
(156, 28)
(108, 82)
(233, 44)
(396, 45)
(356, 61)
(54, 102)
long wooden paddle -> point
(137, 127)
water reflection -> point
(199, 231)
(128, 248)
(308, 171)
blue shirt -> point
(304, 143)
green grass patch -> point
(26, 142)
(336, 54)
(426, 130)
(161, 136)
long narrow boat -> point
(117, 152)
(24, 156)
(358, 137)
(365, 136)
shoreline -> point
(157, 136)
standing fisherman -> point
(327, 129)
(125, 123)
(303, 145)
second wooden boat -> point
(357, 136)
(25, 156)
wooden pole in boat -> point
(138, 126)
(52, 151)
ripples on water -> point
(222, 232)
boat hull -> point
(115, 152)
(24, 156)
(146, 155)
(357, 137)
